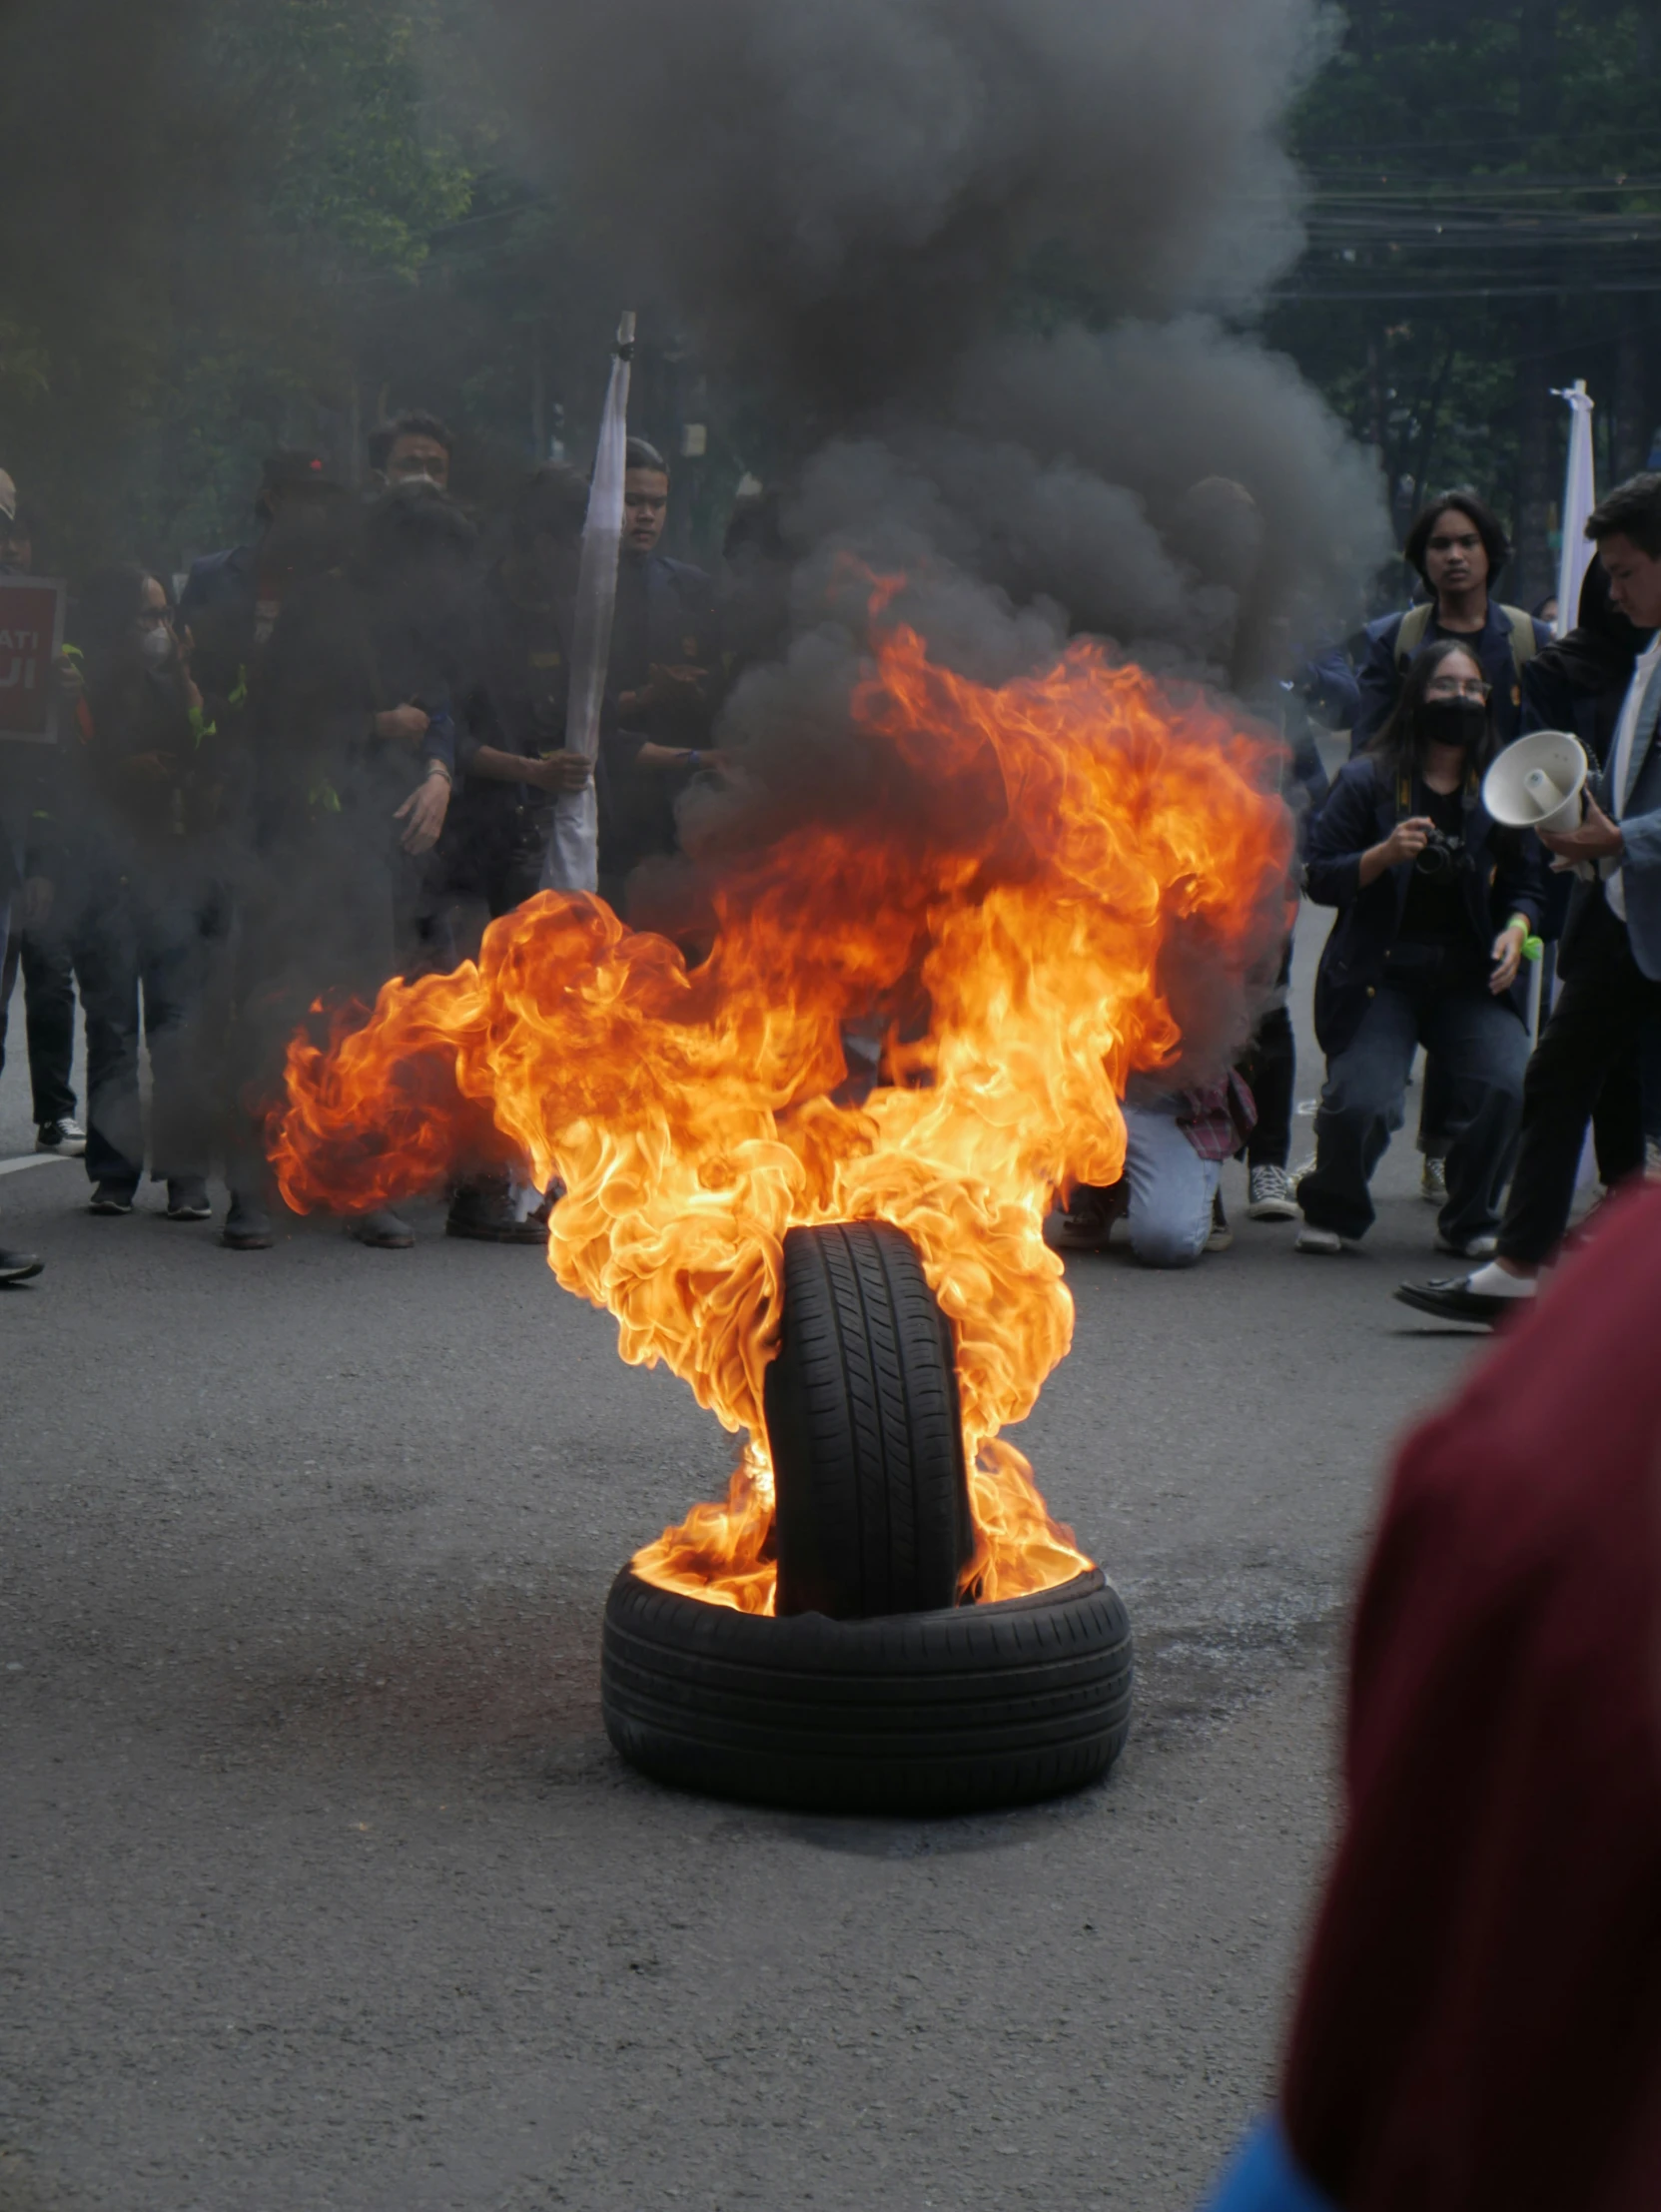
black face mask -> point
(1462, 722)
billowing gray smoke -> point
(840, 196)
(843, 199)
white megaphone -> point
(1538, 783)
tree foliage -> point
(259, 222)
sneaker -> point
(1268, 1198)
(1473, 1247)
(111, 1198)
(247, 1226)
(381, 1230)
(1312, 1239)
(187, 1200)
(1295, 1175)
(1432, 1181)
(488, 1213)
(18, 1266)
(1222, 1235)
(66, 1138)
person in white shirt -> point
(1611, 952)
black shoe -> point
(187, 1200)
(381, 1230)
(247, 1226)
(488, 1213)
(1086, 1223)
(111, 1198)
(18, 1266)
(1452, 1300)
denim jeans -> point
(1482, 1049)
(1172, 1189)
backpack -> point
(1410, 637)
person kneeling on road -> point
(1436, 903)
(1168, 1195)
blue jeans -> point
(1172, 1189)
(1482, 1050)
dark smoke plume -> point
(840, 198)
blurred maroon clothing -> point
(1480, 2023)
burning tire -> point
(951, 1711)
(866, 1436)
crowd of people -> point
(331, 759)
(335, 755)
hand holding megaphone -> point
(1594, 838)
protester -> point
(1435, 904)
(1479, 2023)
(411, 448)
(38, 948)
(663, 680)
(514, 763)
(1168, 1197)
(1458, 546)
(356, 759)
(1579, 683)
(231, 600)
(151, 912)
(26, 887)
(1610, 1004)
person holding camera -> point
(1436, 903)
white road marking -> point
(37, 1159)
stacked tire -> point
(874, 1688)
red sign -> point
(31, 639)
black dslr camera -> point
(1439, 857)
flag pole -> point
(1574, 554)
(571, 861)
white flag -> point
(571, 862)
(1579, 497)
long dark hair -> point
(1400, 746)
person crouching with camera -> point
(1436, 903)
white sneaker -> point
(1268, 1198)
(1311, 1239)
(1474, 1248)
(1432, 1181)
(66, 1138)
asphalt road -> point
(324, 1889)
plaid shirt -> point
(1219, 1119)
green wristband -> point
(1532, 946)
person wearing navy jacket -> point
(1435, 904)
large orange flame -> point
(1054, 833)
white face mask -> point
(155, 647)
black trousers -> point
(145, 946)
(1594, 1030)
(1270, 1071)
(48, 1017)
